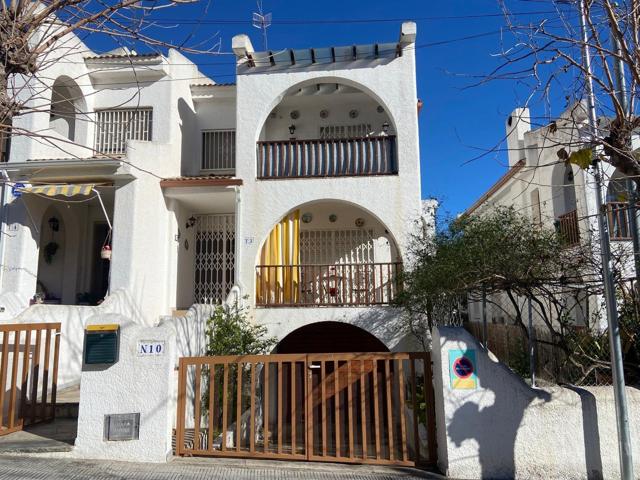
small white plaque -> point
(249, 241)
(148, 348)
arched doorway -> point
(330, 337)
(51, 262)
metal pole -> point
(532, 351)
(484, 317)
(622, 416)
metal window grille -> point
(219, 150)
(319, 247)
(345, 131)
(114, 127)
(215, 240)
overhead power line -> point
(324, 21)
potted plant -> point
(105, 253)
(50, 250)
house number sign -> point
(148, 348)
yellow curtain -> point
(279, 278)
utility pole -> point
(617, 368)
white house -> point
(295, 187)
(558, 194)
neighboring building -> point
(295, 187)
(557, 194)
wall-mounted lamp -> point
(292, 129)
(385, 127)
(54, 224)
(191, 222)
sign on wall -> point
(463, 369)
(148, 348)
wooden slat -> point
(376, 415)
(238, 406)
(182, 387)
(266, 405)
(212, 409)
(390, 423)
(45, 376)
(293, 408)
(280, 404)
(197, 400)
(225, 401)
(3, 373)
(350, 408)
(36, 374)
(336, 403)
(414, 400)
(25, 377)
(403, 427)
(252, 413)
(324, 408)
(54, 381)
(363, 415)
(12, 413)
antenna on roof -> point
(262, 21)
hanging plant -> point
(50, 250)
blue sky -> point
(457, 122)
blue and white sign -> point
(148, 348)
(15, 190)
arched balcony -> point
(327, 130)
(67, 110)
(327, 253)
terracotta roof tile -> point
(201, 181)
(137, 56)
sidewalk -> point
(31, 467)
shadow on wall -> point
(506, 414)
(591, 432)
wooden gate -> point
(28, 374)
(356, 407)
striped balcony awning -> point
(60, 189)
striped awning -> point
(54, 190)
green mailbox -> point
(101, 344)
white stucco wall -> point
(135, 384)
(504, 429)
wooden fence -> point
(28, 374)
(355, 408)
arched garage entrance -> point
(330, 337)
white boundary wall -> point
(135, 384)
(506, 429)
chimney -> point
(241, 46)
(518, 123)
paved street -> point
(24, 467)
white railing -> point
(219, 150)
(115, 126)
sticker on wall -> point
(463, 369)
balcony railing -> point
(327, 285)
(618, 217)
(568, 228)
(327, 158)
